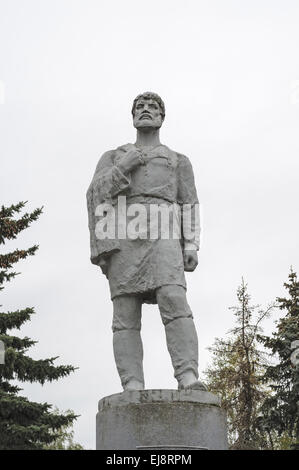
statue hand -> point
(130, 161)
(190, 260)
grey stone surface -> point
(165, 419)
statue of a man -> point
(145, 269)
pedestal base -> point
(161, 419)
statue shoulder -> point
(125, 148)
(107, 160)
(108, 157)
(182, 160)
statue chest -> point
(157, 173)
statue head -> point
(148, 111)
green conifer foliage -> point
(23, 424)
(281, 409)
(236, 373)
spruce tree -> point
(280, 411)
(23, 424)
(236, 373)
(64, 439)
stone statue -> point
(144, 269)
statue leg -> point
(127, 344)
(181, 335)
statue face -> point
(147, 114)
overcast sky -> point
(69, 71)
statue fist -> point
(130, 161)
(190, 260)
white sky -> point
(70, 69)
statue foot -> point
(134, 384)
(197, 385)
(189, 381)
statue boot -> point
(128, 354)
(182, 345)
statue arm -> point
(188, 200)
(107, 183)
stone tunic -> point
(140, 266)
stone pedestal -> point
(161, 419)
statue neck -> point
(148, 138)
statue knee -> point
(173, 303)
(126, 314)
(123, 324)
(116, 329)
